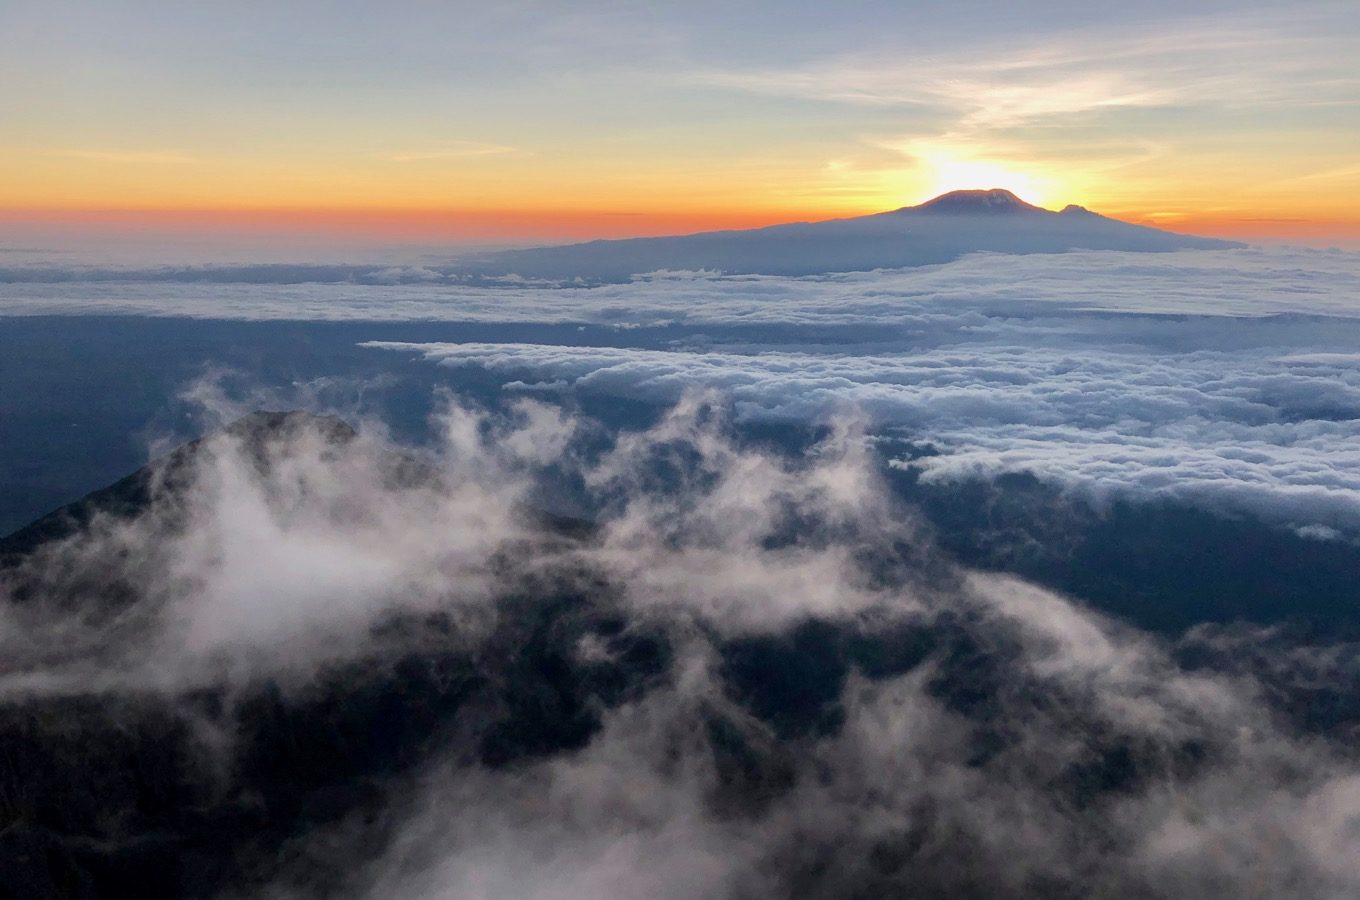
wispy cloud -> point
(454, 150)
(149, 157)
(710, 709)
(1090, 103)
(1077, 74)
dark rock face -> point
(123, 798)
(162, 792)
(132, 495)
(246, 784)
(934, 232)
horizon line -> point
(407, 223)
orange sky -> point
(537, 123)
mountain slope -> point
(938, 231)
(530, 710)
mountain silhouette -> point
(937, 231)
(996, 200)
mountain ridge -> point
(939, 230)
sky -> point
(521, 122)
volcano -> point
(937, 231)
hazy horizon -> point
(534, 123)
(146, 238)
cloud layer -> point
(837, 709)
(1244, 427)
(1254, 282)
(1221, 377)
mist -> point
(733, 671)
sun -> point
(941, 171)
(960, 175)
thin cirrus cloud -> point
(775, 114)
(147, 157)
(1080, 116)
(454, 150)
(998, 86)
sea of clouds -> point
(1227, 378)
(1248, 282)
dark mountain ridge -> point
(117, 791)
(937, 231)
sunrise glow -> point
(528, 134)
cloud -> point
(1072, 74)
(150, 157)
(1057, 116)
(1226, 378)
(276, 545)
(838, 709)
(1256, 282)
(897, 799)
(1244, 427)
(454, 150)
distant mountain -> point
(937, 231)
